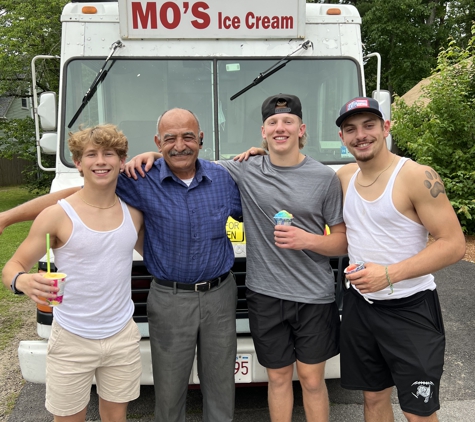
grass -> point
(10, 239)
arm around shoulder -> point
(30, 210)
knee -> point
(280, 377)
(377, 398)
(312, 384)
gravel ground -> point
(9, 367)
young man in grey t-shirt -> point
(292, 311)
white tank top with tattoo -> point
(377, 232)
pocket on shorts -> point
(134, 331)
(56, 332)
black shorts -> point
(394, 342)
(285, 331)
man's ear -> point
(340, 134)
(158, 143)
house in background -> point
(13, 108)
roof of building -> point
(5, 103)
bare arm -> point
(28, 254)
(134, 165)
(291, 237)
(30, 210)
(438, 217)
(251, 151)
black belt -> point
(201, 286)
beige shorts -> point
(73, 361)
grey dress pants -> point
(180, 323)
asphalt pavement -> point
(456, 289)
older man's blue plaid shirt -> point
(185, 227)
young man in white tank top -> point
(392, 331)
(93, 235)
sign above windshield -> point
(212, 19)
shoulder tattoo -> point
(434, 183)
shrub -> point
(441, 134)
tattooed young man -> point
(392, 331)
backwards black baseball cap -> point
(359, 105)
(281, 103)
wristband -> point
(389, 281)
(13, 285)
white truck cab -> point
(125, 62)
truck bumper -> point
(32, 355)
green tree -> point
(27, 29)
(441, 134)
(409, 35)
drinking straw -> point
(47, 253)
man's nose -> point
(360, 133)
(179, 144)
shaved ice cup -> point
(284, 221)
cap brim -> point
(350, 113)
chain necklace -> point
(95, 206)
(377, 177)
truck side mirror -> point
(384, 99)
(47, 111)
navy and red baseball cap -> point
(281, 103)
(359, 105)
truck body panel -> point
(141, 76)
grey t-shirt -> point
(312, 193)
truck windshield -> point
(136, 92)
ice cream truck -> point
(127, 61)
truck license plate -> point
(242, 370)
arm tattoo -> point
(434, 183)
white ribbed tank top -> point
(97, 299)
(387, 236)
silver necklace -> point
(96, 206)
(377, 177)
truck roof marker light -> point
(89, 10)
(334, 11)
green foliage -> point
(441, 134)
(409, 34)
(17, 139)
(27, 29)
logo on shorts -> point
(423, 390)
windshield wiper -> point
(274, 68)
(95, 83)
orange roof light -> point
(334, 11)
(89, 10)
